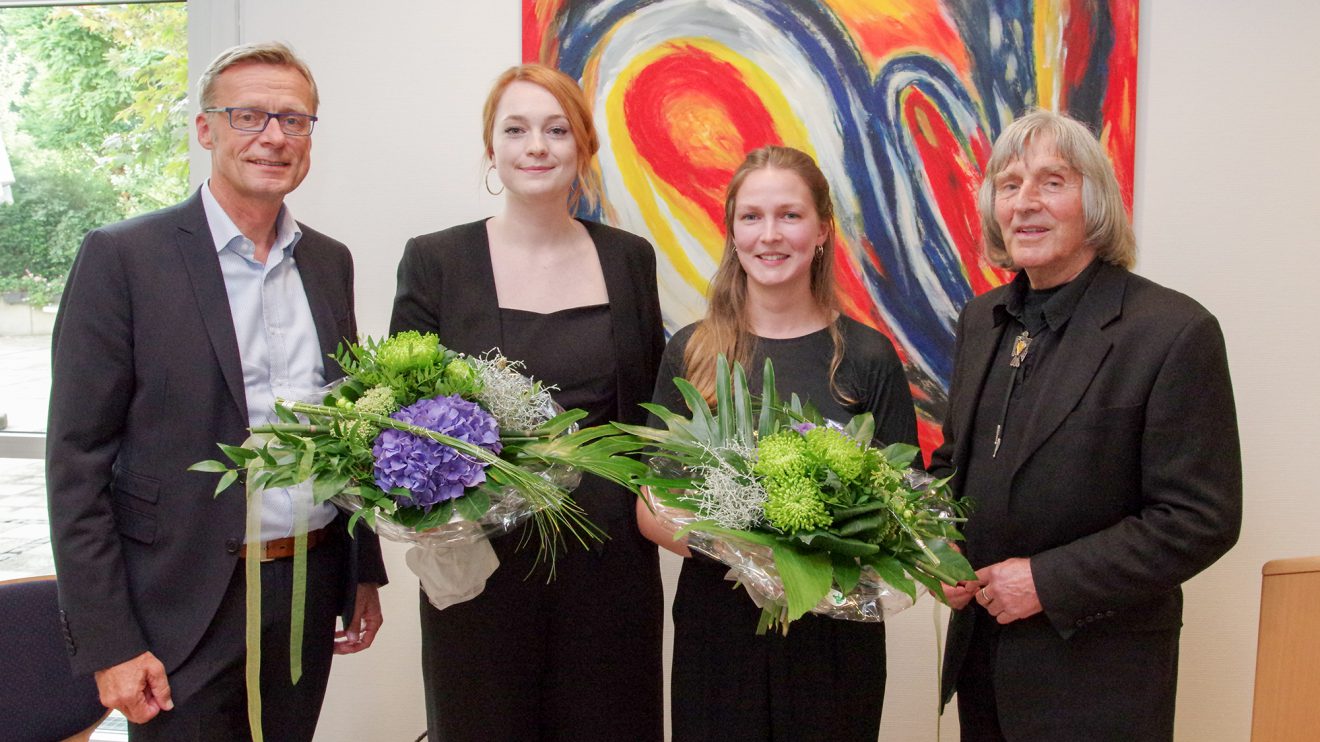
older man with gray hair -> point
(1091, 424)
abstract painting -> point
(897, 100)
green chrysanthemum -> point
(794, 504)
(408, 351)
(461, 371)
(781, 455)
(837, 451)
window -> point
(93, 129)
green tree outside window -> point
(94, 116)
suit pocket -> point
(134, 499)
(141, 486)
(133, 523)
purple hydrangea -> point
(431, 471)
(803, 427)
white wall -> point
(1226, 190)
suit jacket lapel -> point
(623, 309)
(482, 312)
(312, 272)
(980, 342)
(1080, 353)
(197, 250)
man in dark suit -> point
(1091, 424)
(178, 329)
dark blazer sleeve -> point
(92, 384)
(628, 262)
(419, 278)
(445, 286)
(1190, 482)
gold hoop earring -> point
(486, 182)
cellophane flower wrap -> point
(808, 514)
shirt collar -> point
(224, 232)
(1058, 308)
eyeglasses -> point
(255, 119)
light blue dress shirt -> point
(277, 342)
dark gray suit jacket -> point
(146, 379)
(1130, 483)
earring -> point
(486, 182)
(820, 250)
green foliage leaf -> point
(836, 544)
(237, 454)
(893, 572)
(723, 400)
(473, 505)
(807, 576)
(847, 572)
(952, 566)
(229, 478)
(861, 428)
(767, 423)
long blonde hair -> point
(726, 328)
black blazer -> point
(447, 286)
(146, 379)
(1129, 484)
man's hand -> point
(138, 688)
(362, 630)
(1008, 590)
(958, 596)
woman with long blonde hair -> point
(773, 296)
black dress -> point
(578, 657)
(825, 680)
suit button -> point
(1081, 622)
(1089, 619)
(231, 545)
(1109, 614)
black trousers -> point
(218, 711)
(1023, 682)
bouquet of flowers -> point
(428, 446)
(434, 447)
(806, 513)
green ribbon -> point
(297, 609)
(252, 575)
(252, 589)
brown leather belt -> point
(282, 548)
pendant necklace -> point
(1021, 344)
